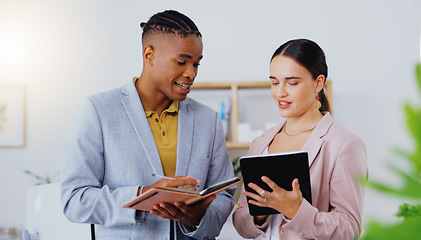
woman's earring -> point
(318, 104)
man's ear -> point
(148, 55)
(320, 81)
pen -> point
(170, 178)
(162, 177)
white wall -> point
(66, 50)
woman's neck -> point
(304, 122)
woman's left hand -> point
(285, 202)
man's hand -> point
(187, 183)
(189, 215)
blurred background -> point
(63, 51)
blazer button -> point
(283, 232)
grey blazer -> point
(111, 151)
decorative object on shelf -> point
(12, 116)
(409, 228)
(8, 234)
(225, 112)
(244, 134)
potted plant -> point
(39, 179)
(410, 226)
(237, 173)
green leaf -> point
(40, 180)
(409, 229)
(418, 75)
(33, 174)
(413, 119)
(47, 179)
(409, 210)
(404, 154)
(236, 166)
(410, 188)
(416, 160)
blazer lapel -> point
(315, 141)
(312, 146)
(133, 106)
(185, 137)
(259, 145)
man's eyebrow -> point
(184, 55)
(188, 56)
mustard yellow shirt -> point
(165, 129)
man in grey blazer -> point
(114, 147)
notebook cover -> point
(153, 196)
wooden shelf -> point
(236, 145)
(235, 87)
(230, 85)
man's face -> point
(175, 64)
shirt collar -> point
(173, 108)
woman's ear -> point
(320, 81)
(148, 55)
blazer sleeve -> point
(84, 199)
(242, 220)
(221, 169)
(343, 221)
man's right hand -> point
(187, 183)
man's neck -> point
(151, 99)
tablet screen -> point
(281, 168)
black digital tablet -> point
(282, 168)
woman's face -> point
(293, 88)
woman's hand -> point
(285, 202)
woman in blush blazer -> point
(337, 158)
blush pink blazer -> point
(337, 159)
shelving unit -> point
(234, 87)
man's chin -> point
(180, 98)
